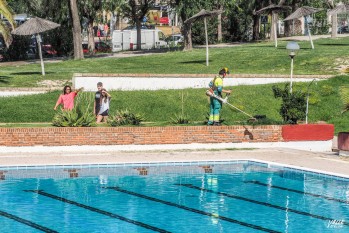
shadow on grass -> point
(284, 48)
(4, 79)
(195, 62)
(335, 44)
(30, 73)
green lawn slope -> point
(158, 107)
(256, 58)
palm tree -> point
(5, 31)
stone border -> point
(200, 75)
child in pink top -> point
(67, 98)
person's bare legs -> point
(105, 119)
(99, 119)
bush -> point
(125, 117)
(293, 105)
(344, 93)
(327, 90)
(180, 119)
(80, 116)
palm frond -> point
(7, 12)
(5, 32)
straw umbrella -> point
(339, 9)
(302, 12)
(35, 26)
(343, 8)
(203, 14)
(273, 9)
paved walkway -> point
(302, 38)
(320, 162)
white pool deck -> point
(322, 162)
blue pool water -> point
(241, 196)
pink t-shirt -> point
(67, 100)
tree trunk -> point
(186, 31)
(274, 19)
(331, 5)
(255, 35)
(219, 26)
(334, 26)
(139, 34)
(288, 28)
(78, 54)
(289, 25)
(91, 37)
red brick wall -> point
(137, 135)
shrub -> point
(327, 90)
(125, 117)
(314, 98)
(80, 116)
(293, 104)
(180, 119)
(344, 93)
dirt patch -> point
(342, 65)
(53, 83)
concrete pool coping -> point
(321, 162)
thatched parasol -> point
(273, 8)
(203, 14)
(35, 26)
(301, 12)
(343, 8)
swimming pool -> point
(239, 196)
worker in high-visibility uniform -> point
(216, 87)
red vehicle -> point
(164, 20)
(100, 47)
(47, 50)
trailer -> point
(127, 39)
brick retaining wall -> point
(53, 136)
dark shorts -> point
(105, 113)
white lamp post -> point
(292, 47)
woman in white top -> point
(104, 106)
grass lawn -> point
(261, 58)
(158, 107)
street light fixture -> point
(292, 47)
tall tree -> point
(250, 8)
(77, 40)
(6, 11)
(274, 20)
(331, 5)
(89, 10)
(186, 9)
(226, 6)
(57, 11)
(136, 10)
(294, 4)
